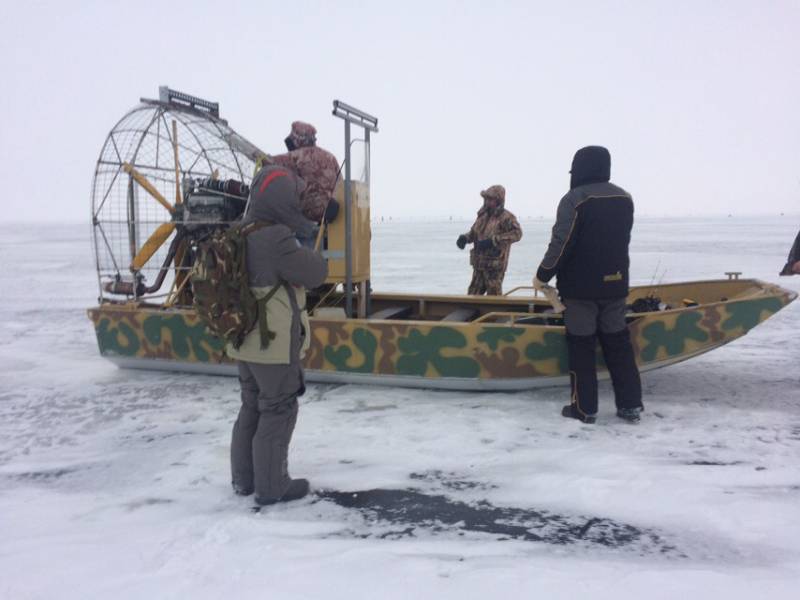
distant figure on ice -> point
(588, 252)
(316, 166)
(492, 234)
(270, 373)
(792, 266)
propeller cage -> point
(168, 167)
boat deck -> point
(531, 310)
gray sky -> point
(698, 102)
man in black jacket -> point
(792, 266)
(588, 252)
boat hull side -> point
(428, 354)
(441, 383)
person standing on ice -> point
(588, 252)
(792, 266)
(492, 234)
(270, 372)
(316, 166)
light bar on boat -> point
(354, 115)
(169, 96)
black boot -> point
(298, 488)
(570, 412)
(583, 378)
(621, 363)
(240, 490)
(631, 415)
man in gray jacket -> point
(588, 252)
(271, 377)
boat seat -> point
(330, 313)
(462, 315)
(393, 312)
(542, 319)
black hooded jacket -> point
(588, 249)
(794, 256)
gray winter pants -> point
(262, 432)
(584, 317)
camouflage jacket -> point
(319, 169)
(500, 226)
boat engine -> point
(210, 204)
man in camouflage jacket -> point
(492, 234)
(316, 166)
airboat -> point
(172, 171)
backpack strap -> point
(264, 331)
(255, 226)
(263, 327)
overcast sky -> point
(698, 102)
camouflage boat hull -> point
(476, 355)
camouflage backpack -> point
(222, 296)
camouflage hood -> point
(275, 196)
(495, 192)
(303, 134)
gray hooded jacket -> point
(274, 256)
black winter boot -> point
(570, 412)
(298, 488)
(631, 415)
(583, 377)
(240, 490)
(621, 363)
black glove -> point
(461, 241)
(331, 211)
(484, 244)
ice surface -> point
(115, 484)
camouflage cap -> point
(498, 192)
(303, 134)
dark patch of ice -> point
(45, 475)
(451, 481)
(137, 504)
(416, 513)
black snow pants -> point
(586, 321)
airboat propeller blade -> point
(142, 181)
(151, 246)
(181, 276)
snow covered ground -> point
(115, 484)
